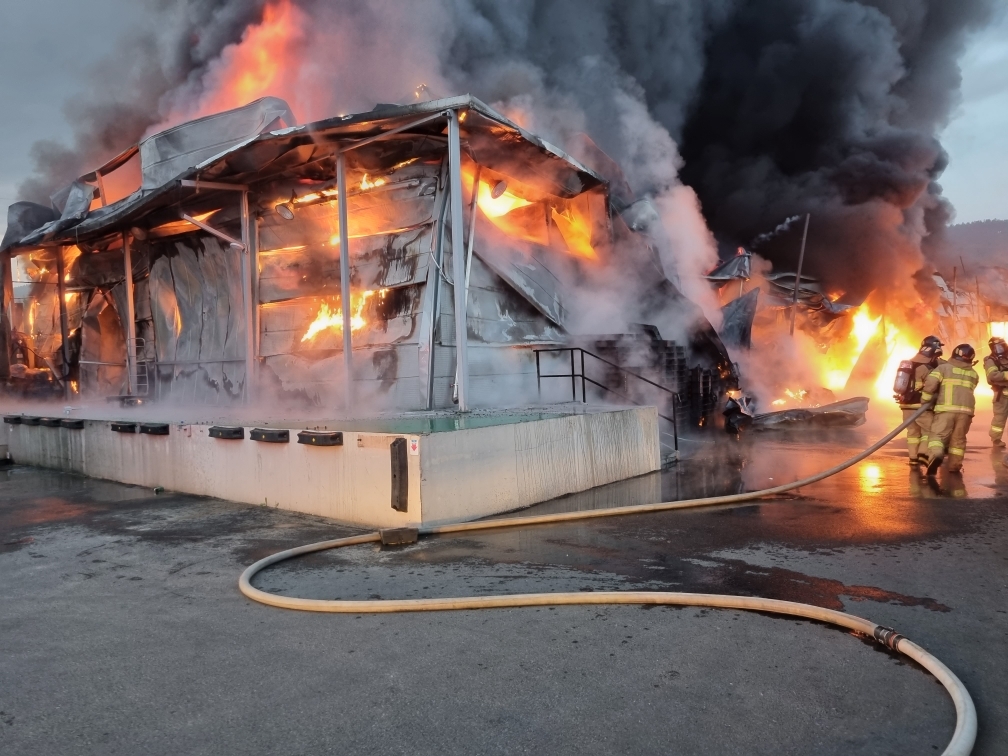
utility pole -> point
(955, 304)
(797, 282)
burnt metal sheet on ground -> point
(849, 413)
(376, 262)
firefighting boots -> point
(933, 465)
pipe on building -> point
(248, 257)
(458, 261)
(6, 324)
(434, 276)
(131, 342)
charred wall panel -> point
(387, 316)
(103, 341)
(495, 313)
(199, 329)
(314, 270)
(384, 377)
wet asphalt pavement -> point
(123, 630)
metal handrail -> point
(585, 379)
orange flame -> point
(507, 212)
(258, 65)
(500, 206)
(576, 233)
(365, 184)
(839, 361)
(255, 66)
(328, 318)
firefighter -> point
(950, 386)
(922, 363)
(996, 368)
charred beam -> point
(345, 303)
(213, 231)
(64, 319)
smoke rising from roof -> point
(168, 53)
(767, 108)
(830, 107)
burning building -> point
(411, 257)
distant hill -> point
(981, 242)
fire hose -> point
(963, 737)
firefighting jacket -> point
(953, 384)
(921, 371)
(996, 376)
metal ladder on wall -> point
(142, 387)
(626, 376)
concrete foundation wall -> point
(349, 483)
(473, 473)
(453, 475)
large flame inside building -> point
(329, 318)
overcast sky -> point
(47, 48)
(977, 139)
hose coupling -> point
(398, 536)
(888, 637)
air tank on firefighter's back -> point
(904, 379)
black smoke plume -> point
(766, 108)
(830, 107)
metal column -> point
(248, 261)
(254, 257)
(131, 365)
(6, 294)
(458, 260)
(345, 297)
(64, 319)
(797, 282)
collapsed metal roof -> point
(243, 148)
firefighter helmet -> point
(931, 347)
(964, 353)
(998, 346)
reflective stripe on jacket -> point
(995, 375)
(953, 384)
